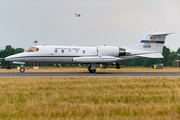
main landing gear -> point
(92, 68)
(21, 69)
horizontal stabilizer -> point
(95, 59)
(161, 33)
(152, 55)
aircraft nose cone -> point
(9, 58)
(16, 57)
(6, 58)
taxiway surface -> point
(98, 74)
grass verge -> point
(90, 98)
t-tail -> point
(151, 45)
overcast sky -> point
(109, 22)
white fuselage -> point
(66, 54)
(76, 54)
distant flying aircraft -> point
(78, 15)
(150, 46)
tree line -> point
(143, 62)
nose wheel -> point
(22, 69)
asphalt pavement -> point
(86, 74)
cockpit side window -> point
(32, 49)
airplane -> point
(150, 46)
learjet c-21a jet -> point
(150, 46)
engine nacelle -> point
(110, 51)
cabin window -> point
(62, 51)
(55, 51)
(32, 49)
(83, 52)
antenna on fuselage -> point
(35, 42)
(65, 42)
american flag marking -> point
(152, 38)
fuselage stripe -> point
(152, 41)
(50, 56)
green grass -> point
(89, 98)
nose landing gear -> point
(22, 69)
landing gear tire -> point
(92, 71)
(92, 68)
(21, 69)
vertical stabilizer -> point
(152, 41)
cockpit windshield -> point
(32, 49)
